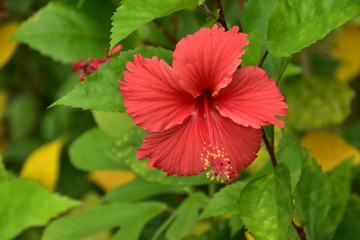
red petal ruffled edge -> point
(252, 99)
(208, 58)
(153, 96)
(192, 147)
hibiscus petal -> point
(153, 95)
(186, 148)
(239, 142)
(251, 99)
(208, 58)
(176, 151)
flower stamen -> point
(217, 159)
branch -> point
(269, 149)
(300, 231)
(263, 59)
(221, 18)
(206, 10)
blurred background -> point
(321, 85)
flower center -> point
(219, 162)
(214, 156)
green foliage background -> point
(45, 100)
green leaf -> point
(350, 133)
(131, 217)
(349, 227)
(100, 91)
(312, 198)
(88, 152)
(151, 32)
(22, 107)
(255, 22)
(21, 5)
(291, 154)
(292, 69)
(225, 201)
(30, 234)
(293, 234)
(155, 175)
(3, 174)
(294, 25)
(134, 13)
(112, 123)
(340, 183)
(275, 66)
(25, 203)
(235, 224)
(266, 205)
(68, 33)
(139, 189)
(124, 151)
(185, 217)
(189, 23)
(55, 122)
(317, 101)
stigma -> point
(218, 160)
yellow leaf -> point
(109, 179)
(199, 230)
(260, 162)
(347, 50)
(7, 46)
(329, 150)
(300, 222)
(248, 236)
(43, 164)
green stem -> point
(270, 149)
(212, 189)
(263, 59)
(300, 231)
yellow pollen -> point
(219, 163)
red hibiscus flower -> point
(202, 113)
